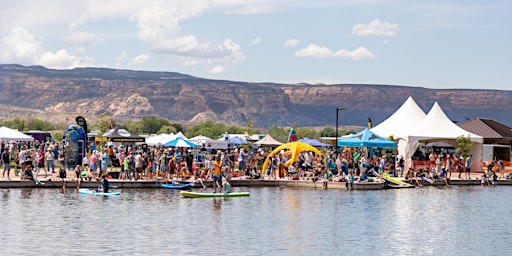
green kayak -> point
(201, 194)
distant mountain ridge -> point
(53, 94)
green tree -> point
(328, 132)
(37, 124)
(151, 124)
(209, 128)
(306, 132)
(278, 134)
(16, 123)
(167, 129)
(465, 146)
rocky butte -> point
(52, 95)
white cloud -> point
(375, 28)
(63, 60)
(83, 39)
(163, 21)
(140, 59)
(291, 43)
(315, 51)
(255, 41)
(251, 10)
(77, 22)
(121, 59)
(20, 46)
(188, 46)
(216, 70)
(356, 54)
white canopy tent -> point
(401, 122)
(200, 139)
(160, 139)
(436, 126)
(180, 135)
(8, 134)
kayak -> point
(177, 186)
(201, 194)
(94, 192)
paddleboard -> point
(202, 194)
(94, 192)
(396, 183)
(177, 186)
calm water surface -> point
(272, 221)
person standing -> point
(217, 179)
(468, 166)
(40, 161)
(6, 162)
(49, 160)
(138, 166)
(449, 166)
(189, 160)
(22, 158)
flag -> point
(292, 136)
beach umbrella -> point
(180, 142)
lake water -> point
(470, 220)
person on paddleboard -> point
(103, 187)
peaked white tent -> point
(268, 141)
(160, 139)
(180, 135)
(436, 126)
(401, 122)
(7, 134)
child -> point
(34, 175)
(225, 185)
(103, 167)
(62, 176)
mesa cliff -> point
(53, 94)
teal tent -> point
(366, 138)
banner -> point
(216, 144)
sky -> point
(432, 44)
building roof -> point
(487, 128)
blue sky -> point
(433, 44)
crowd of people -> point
(139, 162)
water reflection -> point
(272, 221)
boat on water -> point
(204, 194)
(94, 192)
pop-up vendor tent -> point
(121, 135)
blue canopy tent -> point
(314, 142)
(305, 140)
(317, 143)
(366, 138)
(180, 142)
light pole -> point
(336, 146)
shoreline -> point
(16, 182)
